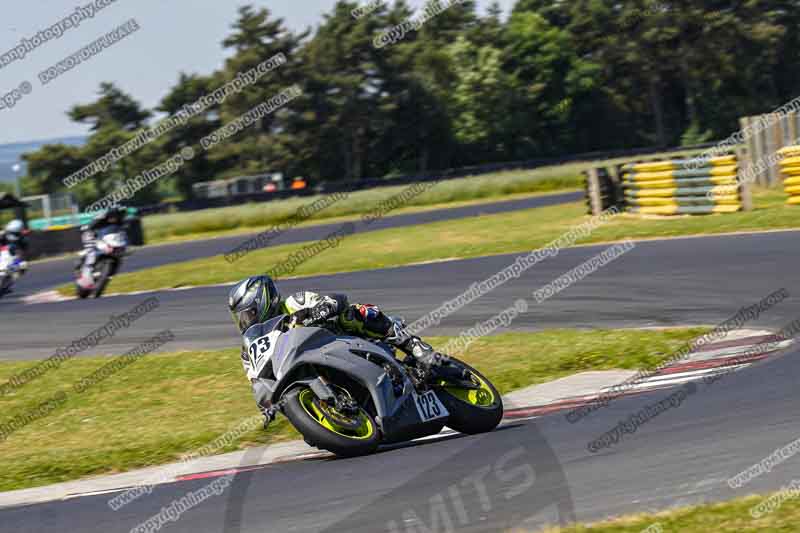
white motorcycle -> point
(109, 250)
(11, 268)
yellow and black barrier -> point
(790, 170)
(682, 186)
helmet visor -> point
(245, 318)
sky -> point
(173, 36)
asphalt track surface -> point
(681, 457)
(527, 474)
(658, 283)
(49, 274)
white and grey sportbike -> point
(11, 268)
(348, 395)
(108, 251)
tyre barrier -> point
(790, 171)
(609, 192)
(682, 186)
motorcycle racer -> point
(13, 236)
(256, 299)
(108, 221)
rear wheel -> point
(475, 409)
(323, 426)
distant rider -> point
(14, 237)
(255, 300)
(110, 221)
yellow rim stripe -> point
(482, 397)
(322, 420)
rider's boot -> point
(422, 352)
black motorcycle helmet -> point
(115, 215)
(252, 301)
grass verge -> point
(225, 221)
(517, 231)
(726, 517)
(166, 405)
(208, 223)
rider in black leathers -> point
(255, 300)
(14, 237)
(113, 218)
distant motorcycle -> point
(348, 395)
(109, 249)
(11, 268)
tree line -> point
(466, 87)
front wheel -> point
(106, 270)
(326, 428)
(82, 293)
(476, 409)
(5, 284)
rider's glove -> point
(320, 312)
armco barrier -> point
(333, 186)
(682, 186)
(67, 240)
(53, 242)
(790, 171)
